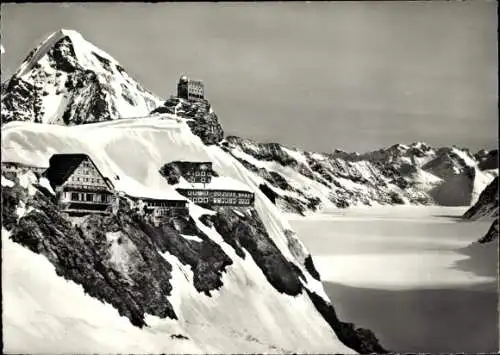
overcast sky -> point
(347, 75)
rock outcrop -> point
(199, 116)
(487, 204)
(68, 81)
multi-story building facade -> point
(190, 89)
(161, 209)
(195, 172)
(82, 189)
(214, 198)
(79, 185)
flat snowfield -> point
(409, 274)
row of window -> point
(199, 179)
(199, 173)
(219, 193)
(198, 193)
(200, 199)
(86, 164)
(164, 204)
(231, 201)
(89, 197)
(231, 194)
(223, 201)
(87, 179)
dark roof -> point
(63, 165)
(190, 163)
(153, 199)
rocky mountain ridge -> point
(67, 80)
(302, 181)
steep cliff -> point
(199, 116)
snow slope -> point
(247, 308)
(44, 313)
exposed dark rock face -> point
(201, 119)
(245, 231)
(86, 91)
(172, 171)
(487, 203)
(487, 159)
(456, 190)
(308, 263)
(396, 199)
(206, 258)
(492, 233)
(270, 194)
(361, 340)
(446, 163)
(263, 151)
(207, 220)
(20, 96)
(286, 203)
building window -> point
(89, 197)
(74, 196)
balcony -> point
(84, 206)
(86, 202)
(81, 212)
(85, 187)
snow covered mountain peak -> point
(68, 80)
(76, 46)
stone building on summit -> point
(190, 90)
